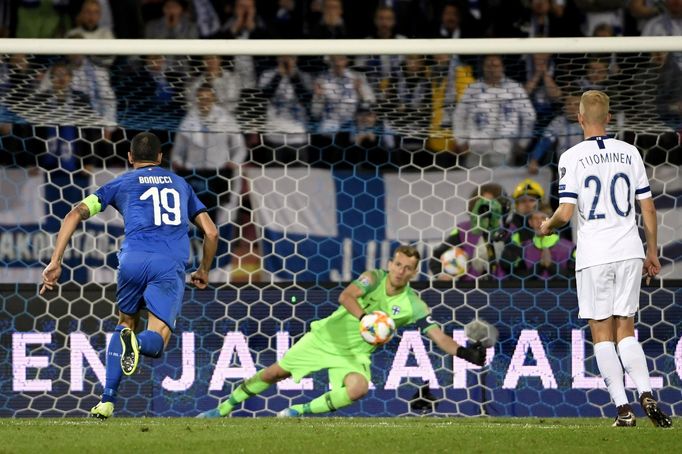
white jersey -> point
(604, 176)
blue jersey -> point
(157, 207)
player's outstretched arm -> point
(200, 277)
(54, 269)
(651, 264)
(474, 354)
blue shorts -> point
(153, 281)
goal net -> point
(316, 159)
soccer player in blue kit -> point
(157, 206)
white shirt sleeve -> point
(642, 188)
(568, 185)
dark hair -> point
(145, 147)
(408, 251)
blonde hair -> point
(594, 107)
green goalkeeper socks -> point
(331, 401)
(249, 387)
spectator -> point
(669, 89)
(209, 151)
(538, 21)
(641, 11)
(527, 198)
(93, 81)
(288, 92)
(456, 23)
(331, 24)
(175, 23)
(337, 94)
(287, 22)
(371, 140)
(409, 93)
(17, 83)
(59, 103)
(493, 122)
(226, 84)
(245, 23)
(89, 27)
(539, 257)
(562, 133)
(597, 75)
(478, 239)
(602, 11)
(380, 69)
(149, 89)
(543, 91)
(42, 19)
(18, 79)
(449, 79)
(668, 23)
(88, 23)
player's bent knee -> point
(274, 373)
(357, 386)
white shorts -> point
(609, 289)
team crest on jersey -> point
(395, 310)
(562, 172)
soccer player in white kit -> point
(603, 177)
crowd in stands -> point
(368, 112)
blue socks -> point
(151, 343)
(113, 366)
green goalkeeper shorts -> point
(309, 355)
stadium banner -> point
(315, 225)
(52, 354)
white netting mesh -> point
(315, 168)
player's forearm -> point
(351, 304)
(650, 227)
(448, 345)
(209, 249)
(69, 226)
(560, 217)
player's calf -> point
(650, 407)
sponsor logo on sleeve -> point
(562, 172)
(364, 281)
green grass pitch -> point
(335, 435)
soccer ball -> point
(377, 328)
(481, 331)
(454, 261)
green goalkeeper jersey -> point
(340, 332)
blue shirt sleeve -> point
(194, 205)
(107, 193)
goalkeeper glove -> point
(474, 354)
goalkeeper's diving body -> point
(156, 206)
(336, 345)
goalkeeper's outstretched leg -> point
(249, 387)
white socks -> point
(612, 371)
(634, 362)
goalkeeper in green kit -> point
(335, 343)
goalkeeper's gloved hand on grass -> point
(475, 354)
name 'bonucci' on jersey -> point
(603, 177)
